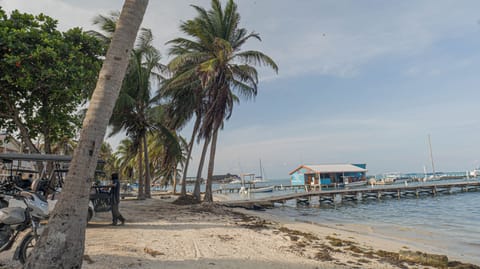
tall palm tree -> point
(185, 102)
(168, 143)
(131, 112)
(62, 243)
(214, 53)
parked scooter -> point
(16, 219)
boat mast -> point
(431, 156)
(261, 171)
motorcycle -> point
(17, 218)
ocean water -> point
(446, 223)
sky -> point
(358, 82)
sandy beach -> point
(159, 234)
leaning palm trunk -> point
(211, 162)
(147, 168)
(196, 190)
(183, 191)
(62, 244)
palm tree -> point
(214, 54)
(62, 243)
(131, 113)
(125, 158)
(109, 159)
(167, 145)
(185, 101)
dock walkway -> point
(357, 194)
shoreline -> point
(159, 234)
(364, 234)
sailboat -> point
(425, 173)
(261, 177)
(434, 175)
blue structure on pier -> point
(328, 174)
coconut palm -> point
(166, 154)
(185, 102)
(214, 54)
(62, 243)
(131, 113)
(109, 159)
(167, 145)
(125, 159)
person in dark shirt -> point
(115, 193)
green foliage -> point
(211, 57)
(45, 75)
(213, 54)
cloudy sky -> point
(359, 81)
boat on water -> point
(261, 189)
(475, 172)
(250, 180)
(235, 181)
(349, 182)
(355, 183)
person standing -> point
(115, 195)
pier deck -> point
(355, 194)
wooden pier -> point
(396, 191)
(252, 185)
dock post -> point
(398, 193)
(359, 196)
(434, 190)
(416, 192)
(379, 195)
(337, 198)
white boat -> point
(235, 181)
(347, 181)
(390, 178)
(261, 189)
(356, 183)
(475, 172)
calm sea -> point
(450, 223)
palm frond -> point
(256, 58)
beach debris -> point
(225, 237)
(153, 252)
(461, 265)
(323, 256)
(186, 200)
(290, 232)
(337, 242)
(439, 261)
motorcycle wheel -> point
(26, 246)
(6, 234)
(3, 203)
(89, 215)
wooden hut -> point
(328, 174)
